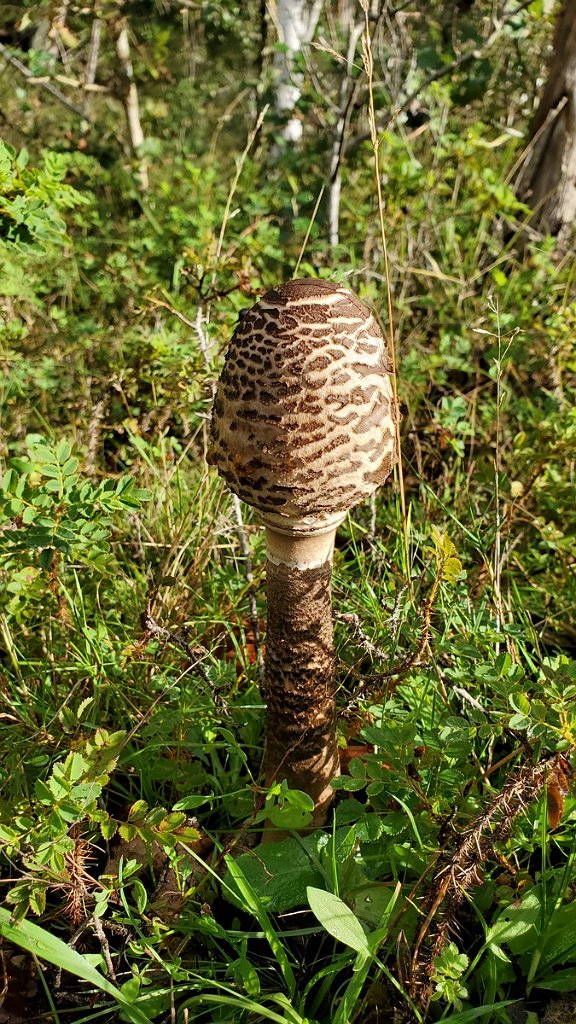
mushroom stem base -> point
(301, 738)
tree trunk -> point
(301, 740)
(547, 180)
(130, 99)
(348, 85)
(297, 20)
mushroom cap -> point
(304, 418)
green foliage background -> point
(127, 620)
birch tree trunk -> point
(130, 99)
(348, 84)
(297, 20)
(547, 180)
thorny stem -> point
(462, 868)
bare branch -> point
(47, 85)
(93, 52)
(130, 100)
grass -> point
(132, 624)
(154, 641)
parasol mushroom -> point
(303, 428)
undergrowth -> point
(132, 611)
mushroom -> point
(303, 428)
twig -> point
(369, 69)
(367, 645)
(175, 312)
(232, 191)
(32, 80)
(161, 633)
(374, 686)
(96, 924)
(203, 345)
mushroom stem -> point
(301, 738)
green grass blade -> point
(41, 943)
(255, 906)
(477, 1011)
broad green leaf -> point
(49, 470)
(559, 981)
(63, 451)
(515, 923)
(41, 453)
(190, 803)
(245, 973)
(108, 828)
(337, 918)
(561, 938)
(140, 895)
(279, 873)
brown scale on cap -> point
(304, 417)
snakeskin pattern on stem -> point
(304, 417)
(301, 740)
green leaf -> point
(372, 903)
(42, 792)
(478, 1011)
(86, 792)
(190, 803)
(348, 784)
(46, 557)
(515, 924)
(451, 570)
(338, 920)
(561, 935)
(559, 981)
(137, 811)
(172, 821)
(41, 453)
(246, 975)
(256, 907)
(37, 899)
(70, 467)
(63, 451)
(108, 828)
(50, 470)
(140, 895)
(43, 944)
(278, 873)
